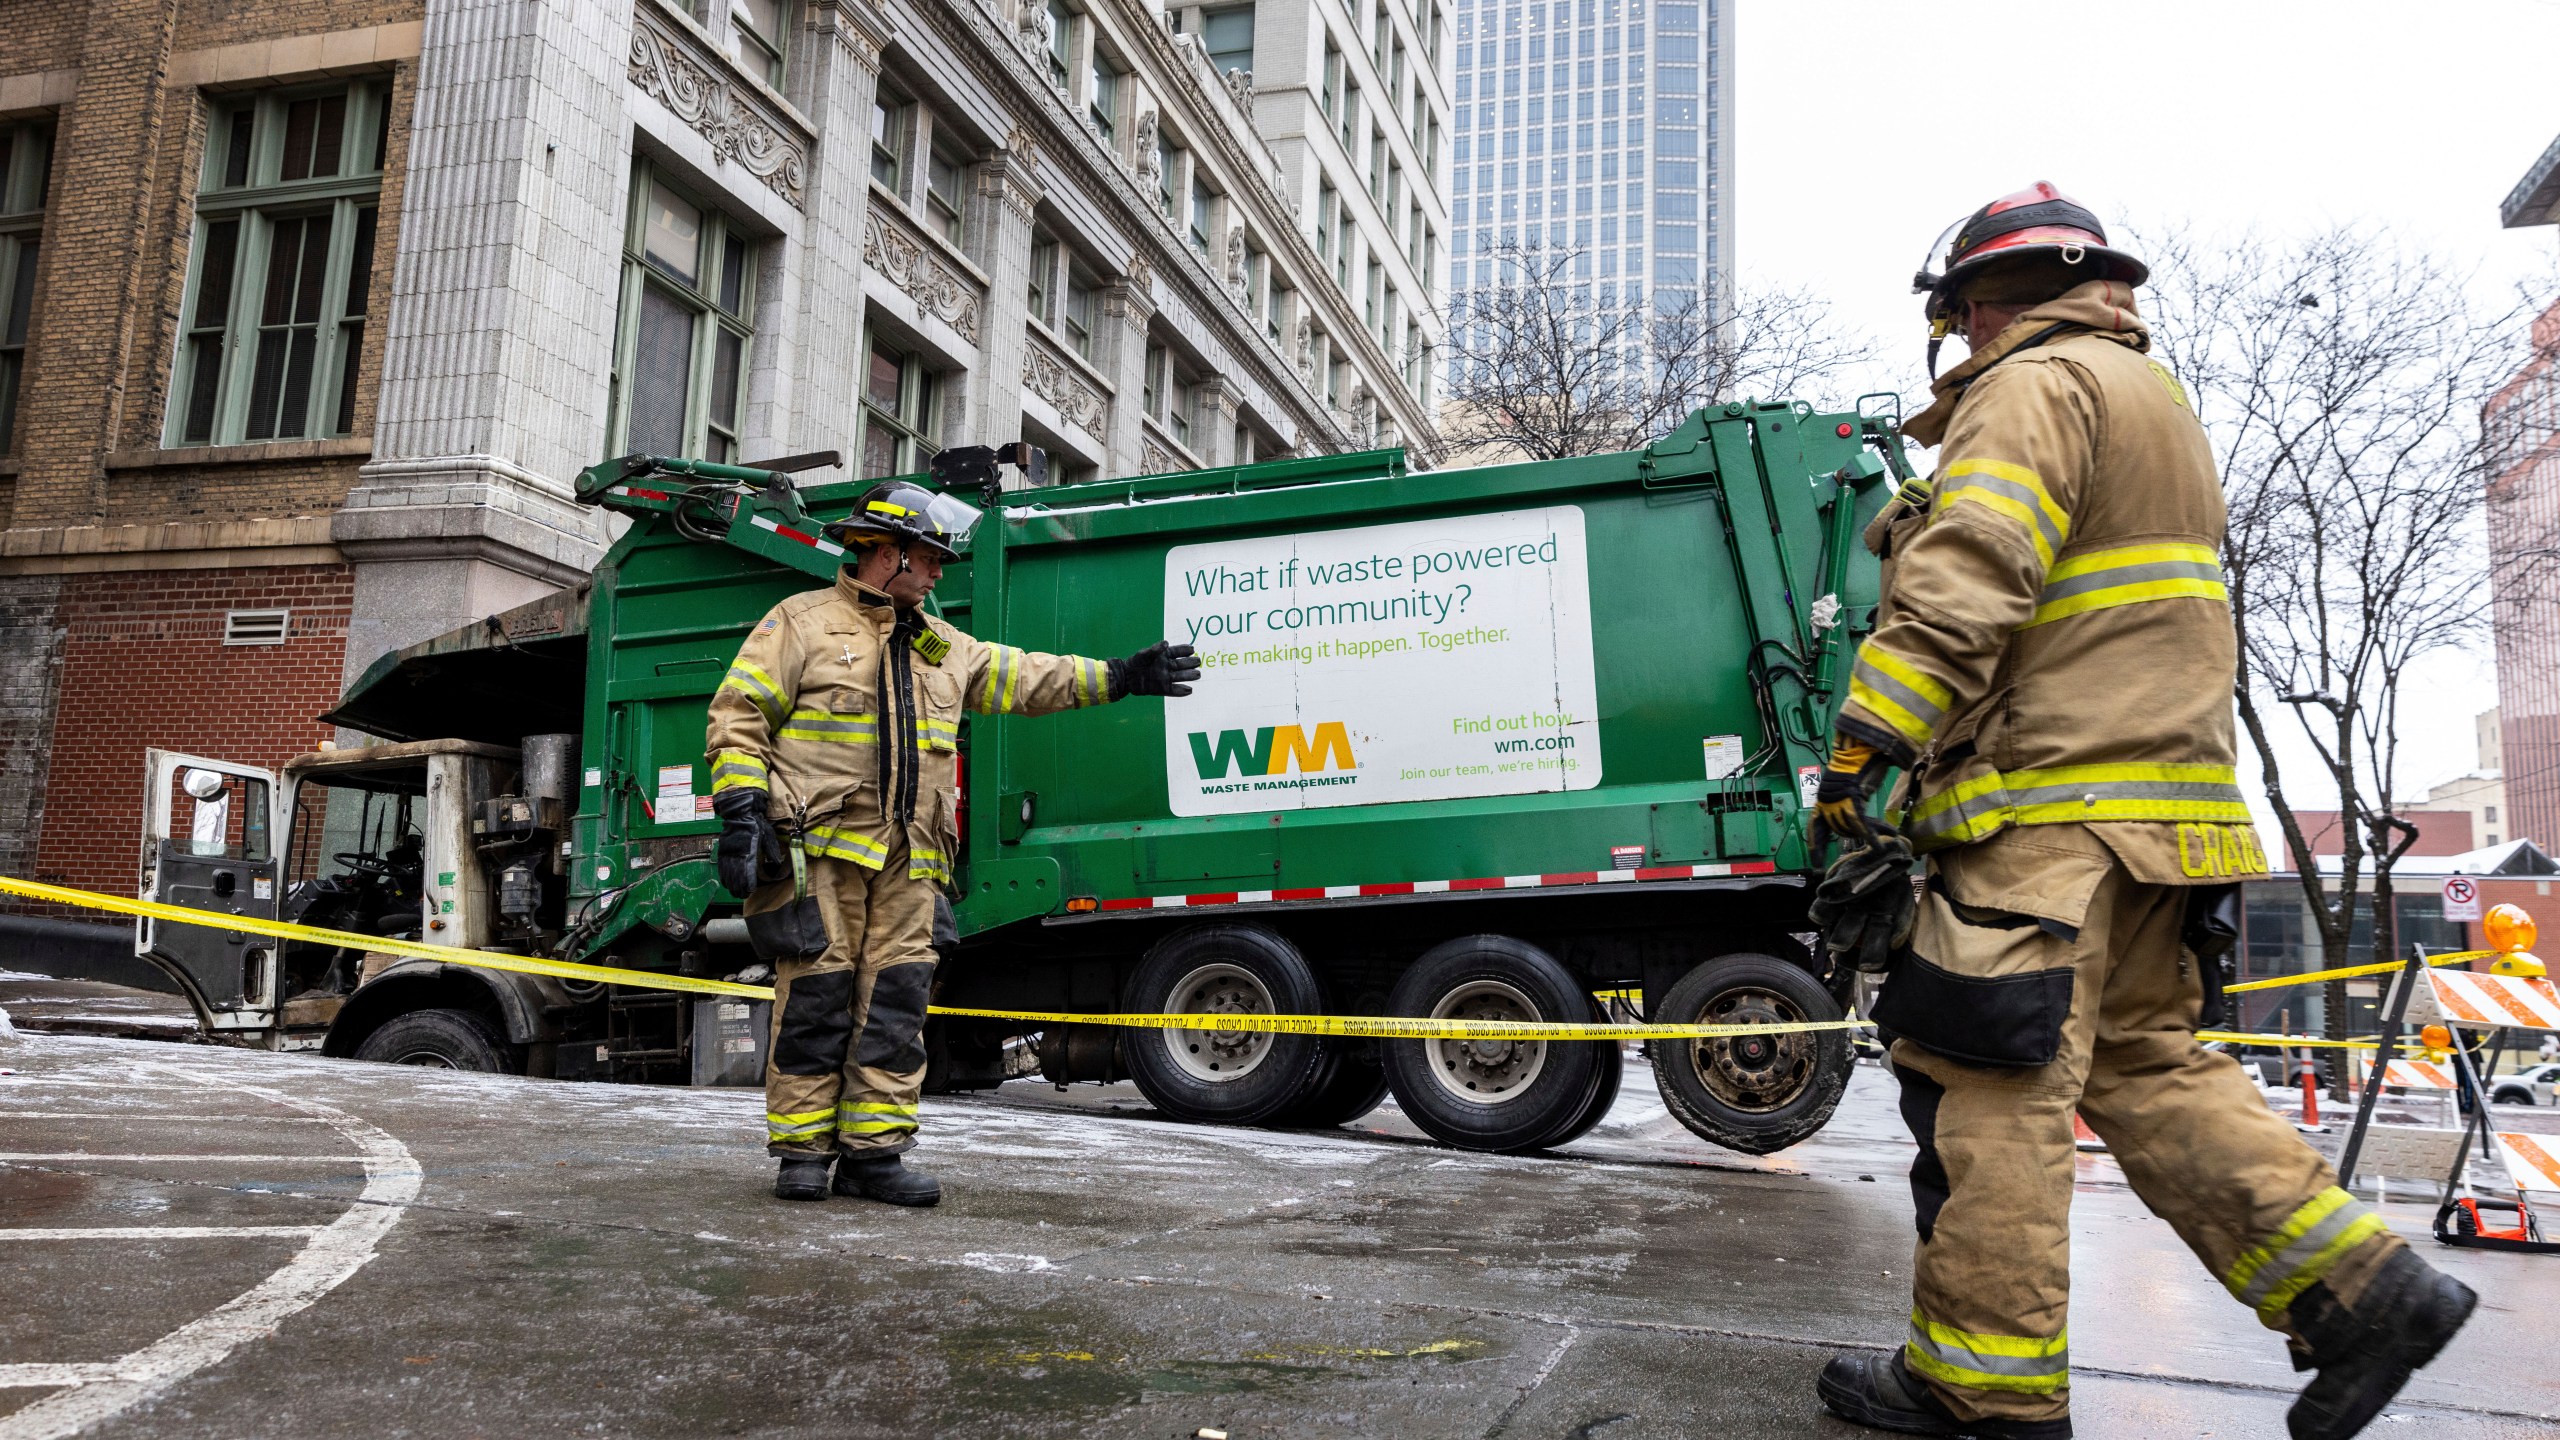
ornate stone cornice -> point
(1048, 373)
(671, 65)
(902, 256)
(860, 27)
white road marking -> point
(155, 1232)
(156, 1115)
(43, 1155)
(52, 1377)
(337, 1251)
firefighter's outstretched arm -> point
(746, 711)
(2010, 476)
(1003, 680)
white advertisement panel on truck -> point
(1421, 661)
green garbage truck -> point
(1482, 743)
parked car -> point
(2530, 1086)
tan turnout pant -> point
(846, 1062)
(1993, 1181)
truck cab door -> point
(210, 842)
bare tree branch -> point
(2341, 377)
(1544, 365)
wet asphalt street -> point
(201, 1241)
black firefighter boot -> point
(2407, 1313)
(803, 1177)
(1876, 1390)
(885, 1178)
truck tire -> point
(1222, 1077)
(1604, 1093)
(1505, 1096)
(440, 1039)
(1755, 1093)
(1348, 1084)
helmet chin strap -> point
(1938, 330)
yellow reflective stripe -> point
(2021, 1364)
(2011, 490)
(826, 725)
(2307, 1246)
(874, 1117)
(1893, 690)
(738, 770)
(2076, 794)
(842, 844)
(1012, 672)
(2129, 575)
(759, 688)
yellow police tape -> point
(2457, 957)
(1357, 1026)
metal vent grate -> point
(254, 627)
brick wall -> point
(143, 664)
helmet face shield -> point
(1932, 265)
(950, 519)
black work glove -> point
(750, 853)
(1160, 669)
(1864, 905)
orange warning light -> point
(2436, 1037)
(2518, 962)
(2508, 928)
(1083, 905)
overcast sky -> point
(1865, 126)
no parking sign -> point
(2461, 898)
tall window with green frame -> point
(281, 271)
(682, 345)
(26, 162)
(898, 401)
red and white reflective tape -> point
(634, 492)
(823, 547)
(1439, 887)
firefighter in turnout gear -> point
(834, 748)
(2051, 670)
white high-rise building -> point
(1603, 126)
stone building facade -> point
(309, 311)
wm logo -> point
(1271, 751)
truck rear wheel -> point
(1604, 1093)
(439, 1039)
(1499, 1095)
(1222, 1077)
(1752, 1093)
(1348, 1084)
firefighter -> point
(2052, 670)
(833, 746)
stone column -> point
(1214, 403)
(1000, 209)
(835, 77)
(1131, 301)
(499, 339)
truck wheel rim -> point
(1753, 1072)
(1486, 1072)
(432, 1059)
(1218, 1056)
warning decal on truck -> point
(1421, 661)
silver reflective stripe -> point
(1928, 712)
(2026, 495)
(2021, 1367)
(2102, 791)
(2285, 1263)
(2130, 575)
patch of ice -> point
(1004, 1264)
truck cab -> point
(438, 842)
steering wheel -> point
(372, 867)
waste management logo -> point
(1424, 660)
(1264, 758)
